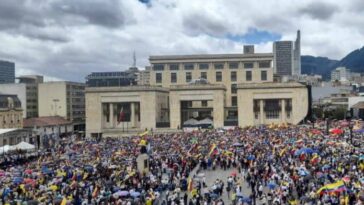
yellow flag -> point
(64, 201)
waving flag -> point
(213, 150)
(336, 187)
(190, 185)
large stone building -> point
(222, 69)
(11, 113)
(27, 92)
(7, 72)
(198, 91)
(65, 99)
(111, 110)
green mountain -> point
(323, 65)
(317, 65)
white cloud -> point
(68, 40)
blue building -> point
(7, 72)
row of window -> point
(218, 76)
(206, 66)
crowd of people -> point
(269, 165)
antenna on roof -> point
(134, 60)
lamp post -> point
(348, 118)
(327, 126)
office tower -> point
(287, 57)
(7, 72)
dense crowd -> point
(280, 165)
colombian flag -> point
(213, 150)
(190, 185)
(95, 192)
(336, 187)
(314, 159)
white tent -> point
(4, 149)
(190, 122)
(23, 146)
(205, 121)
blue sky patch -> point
(255, 36)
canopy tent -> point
(22, 146)
(205, 121)
(4, 149)
(190, 122)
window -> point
(158, 67)
(234, 101)
(233, 76)
(218, 76)
(173, 77)
(204, 103)
(218, 65)
(248, 76)
(264, 64)
(263, 75)
(204, 75)
(272, 108)
(188, 66)
(233, 89)
(188, 76)
(158, 77)
(203, 66)
(173, 67)
(233, 65)
(248, 65)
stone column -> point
(283, 113)
(261, 112)
(132, 114)
(111, 115)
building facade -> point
(222, 69)
(14, 136)
(11, 113)
(287, 57)
(65, 99)
(48, 126)
(341, 74)
(112, 110)
(27, 92)
(7, 72)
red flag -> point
(121, 116)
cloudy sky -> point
(67, 39)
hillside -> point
(354, 61)
(317, 65)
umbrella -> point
(272, 185)
(304, 151)
(18, 180)
(251, 157)
(336, 131)
(122, 193)
(135, 194)
(237, 144)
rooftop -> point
(270, 85)
(359, 105)
(45, 121)
(133, 88)
(211, 56)
(3, 131)
(198, 87)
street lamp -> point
(348, 118)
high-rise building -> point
(7, 72)
(64, 99)
(287, 57)
(341, 74)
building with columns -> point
(114, 110)
(111, 111)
